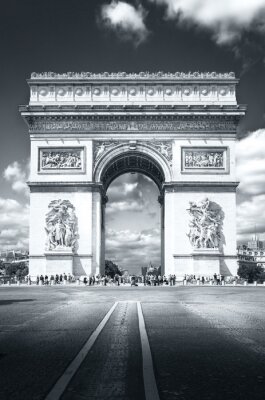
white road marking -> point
(68, 374)
(150, 388)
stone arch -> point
(132, 158)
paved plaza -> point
(206, 343)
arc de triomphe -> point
(86, 129)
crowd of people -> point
(215, 279)
(133, 280)
(51, 279)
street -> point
(205, 342)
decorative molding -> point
(191, 256)
(156, 123)
(153, 92)
(132, 76)
(194, 109)
(69, 187)
(200, 186)
(125, 88)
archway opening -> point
(133, 214)
(133, 224)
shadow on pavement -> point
(8, 302)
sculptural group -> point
(205, 225)
(61, 226)
(203, 159)
(61, 159)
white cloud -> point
(130, 187)
(251, 163)
(14, 220)
(124, 206)
(133, 249)
(126, 20)
(126, 193)
(251, 191)
(226, 19)
(17, 174)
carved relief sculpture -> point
(205, 225)
(165, 148)
(60, 159)
(61, 226)
(203, 159)
(101, 147)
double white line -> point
(151, 392)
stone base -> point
(206, 262)
(59, 262)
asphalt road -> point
(206, 342)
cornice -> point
(200, 186)
(133, 76)
(132, 108)
(65, 186)
(184, 186)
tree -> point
(250, 272)
(111, 269)
(18, 269)
(2, 267)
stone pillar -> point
(169, 232)
(162, 227)
(97, 240)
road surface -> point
(91, 343)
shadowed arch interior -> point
(132, 162)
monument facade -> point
(179, 129)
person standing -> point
(215, 278)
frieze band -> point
(88, 125)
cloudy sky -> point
(140, 35)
